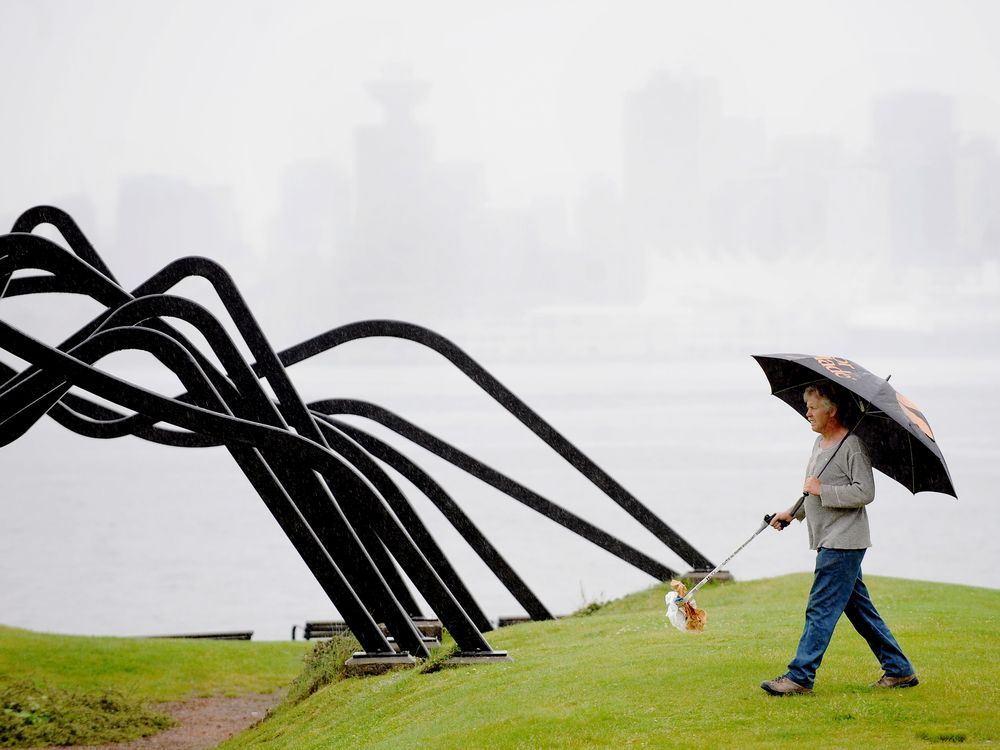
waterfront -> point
(124, 537)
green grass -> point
(147, 669)
(58, 689)
(621, 677)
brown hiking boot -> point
(783, 686)
(896, 682)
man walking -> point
(835, 515)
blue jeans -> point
(837, 588)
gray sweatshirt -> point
(837, 518)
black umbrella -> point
(899, 439)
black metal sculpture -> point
(322, 479)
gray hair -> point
(836, 397)
(823, 392)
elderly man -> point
(835, 514)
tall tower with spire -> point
(395, 188)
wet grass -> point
(621, 677)
(148, 669)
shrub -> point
(33, 715)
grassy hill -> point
(620, 677)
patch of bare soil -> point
(202, 723)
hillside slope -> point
(623, 678)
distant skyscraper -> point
(979, 201)
(741, 196)
(609, 269)
(394, 171)
(858, 211)
(804, 165)
(416, 219)
(915, 142)
(160, 219)
(308, 240)
(670, 128)
(314, 211)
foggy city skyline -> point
(641, 167)
(649, 162)
(697, 183)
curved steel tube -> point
(494, 478)
(503, 396)
(452, 512)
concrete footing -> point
(429, 626)
(478, 657)
(365, 663)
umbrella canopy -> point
(898, 437)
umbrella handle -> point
(795, 509)
(767, 520)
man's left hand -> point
(812, 486)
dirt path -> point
(202, 723)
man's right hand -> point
(781, 515)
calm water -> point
(124, 537)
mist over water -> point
(123, 537)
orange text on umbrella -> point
(916, 416)
(835, 366)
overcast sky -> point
(227, 93)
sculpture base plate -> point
(478, 657)
(364, 663)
